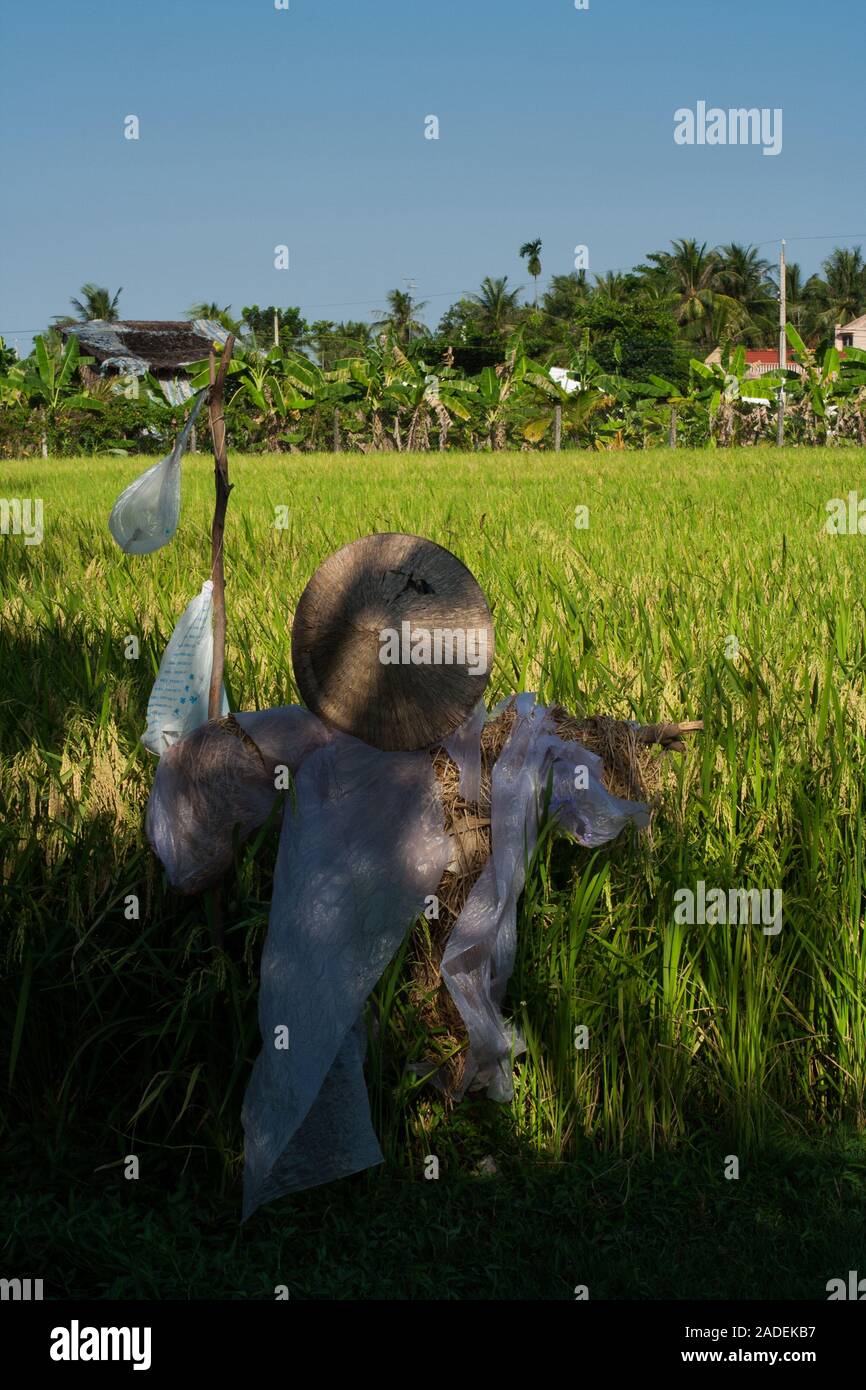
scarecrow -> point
(398, 790)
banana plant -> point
(372, 378)
(575, 408)
(279, 384)
(46, 383)
(421, 393)
(659, 406)
(46, 380)
(720, 386)
(496, 386)
(819, 382)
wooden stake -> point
(783, 341)
(557, 427)
(223, 488)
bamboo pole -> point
(223, 487)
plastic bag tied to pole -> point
(361, 849)
(146, 514)
(179, 699)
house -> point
(851, 335)
(564, 379)
(163, 347)
(759, 361)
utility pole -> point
(783, 345)
(782, 310)
(276, 328)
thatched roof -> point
(160, 345)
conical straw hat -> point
(393, 641)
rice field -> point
(702, 585)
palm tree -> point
(613, 285)
(531, 250)
(841, 296)
(744, 277)
(691, 272)
(846, 277)
(223, 316)
(796, 302)
(496, 308)
(565, 294)
(96, 302)
(400, 317)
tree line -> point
(629, 350)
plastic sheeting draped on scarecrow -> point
(362, 846)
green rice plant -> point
(704, 585)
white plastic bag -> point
(179, 699)
(146, 514)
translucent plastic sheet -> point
(359, 854)
(479, 956)
(464, 746)
(356, 862)
(212, 781)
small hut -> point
(164, 347)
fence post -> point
(557, 428)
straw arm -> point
(667, 735)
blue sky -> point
(305, 127)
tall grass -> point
(138, 1030)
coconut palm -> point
(841, 295)
(846, 278)
(796, 300)
(691, 272)
(531, 251)
(565, 294)
(223, 316)
(613, 285)
(744, 277)
(496, 309)
(96, 302)
(399, 319)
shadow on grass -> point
(666, 1228)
